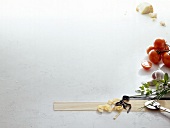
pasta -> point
(110, 106)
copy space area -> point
(75, 50)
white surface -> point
(74, 50)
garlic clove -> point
(158, 75)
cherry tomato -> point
(146, 64)
(166, 59)
(159, 44)
(149, 49)
(154, 57)
(166, 47)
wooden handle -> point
(92, 106)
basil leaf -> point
(166, 77)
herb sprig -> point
(162, 87)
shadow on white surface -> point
(165, 69)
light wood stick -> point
(76, 106)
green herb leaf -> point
(154, 82)
(166, 77)
(146, 85)
(138, 91)
(162, 81)
(157, 86)
(161, 88)
(142, 92)
(142, 87)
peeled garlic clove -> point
(158, 75)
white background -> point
(75, 50)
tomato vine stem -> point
(162, 51)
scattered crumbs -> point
(153, 15)
(162, 23)
(153, 19)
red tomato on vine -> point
(154, 57)
(159, 44)
(166, 59)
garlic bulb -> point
(158, 75)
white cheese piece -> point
(162, 23)
(153, 15)
(144, 8)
